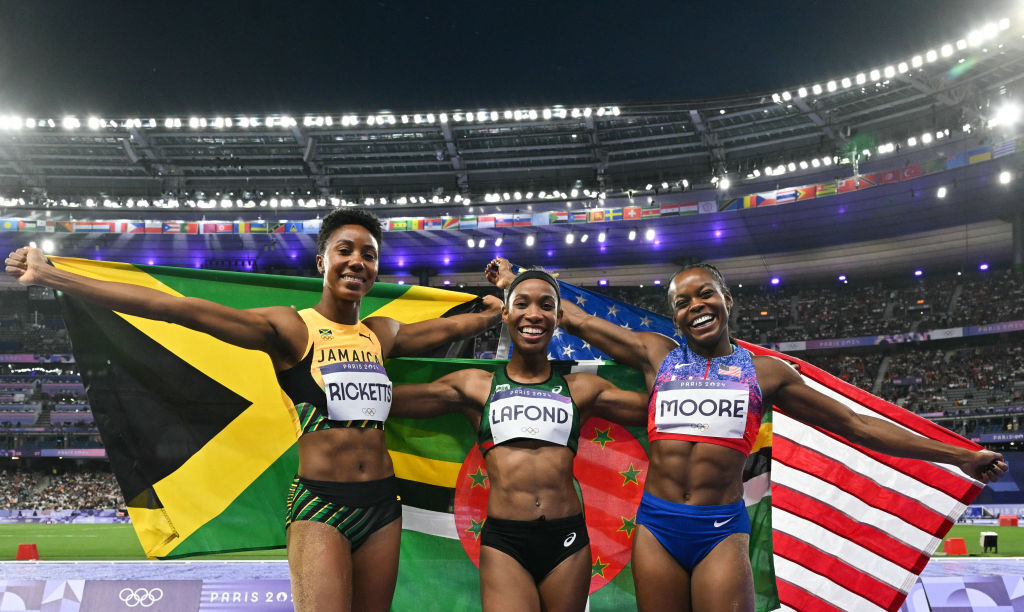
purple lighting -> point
(842, 278)
(401, 262)
(293, 255)
(983, 266)
(551, 253)
(775, 280)
(603, 282)
(657, 281)
(447, 282)
(149, 261)
(447, 260)
(718, 233)
(401, 282)
(918, 272)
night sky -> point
(110, 57)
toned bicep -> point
(455, 392)
(277, 331)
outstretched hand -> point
(985, 465)
(499, 273)
(22, 265)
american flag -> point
(851, 529)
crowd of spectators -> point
(78, 490)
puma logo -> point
(365, 336)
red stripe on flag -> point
(850, 578)
(868, 536)
(799, 599)
(835, 473)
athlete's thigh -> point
(723, 579)
(505, 584)
(320, 565)
(566, 587)
(661, 583)
(375, 569)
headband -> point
(530, 274)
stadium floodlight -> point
(471, 243)
(926, 138)
(632, 234)
(931, 56)
(815, 163)
(802, 92)
(917, 61)
(962, 44)
(499, 240)
(889, 72)
(875, 74)
(94, 123)
(570, 238)
(530, 240)
(517, 195)
(803, 165)
(724, 183)
(584, 237)
(786, 96)
(946, 50)
(831, 86)
(1007, 115)
(912, 141)
(649, 234)
(494, 115)
(768, 171)
(791, 166)
(1005, 177)
(1004, 24)
(983, 267)
(48, 246)
(776, 98)
(546, 113)
(602, 236)
(861, 78)
(941, 193)
(902, 67)
(574, 193)
(648, 187)
(816, 89)
(846, 82)
(482, 243)
(780, 169)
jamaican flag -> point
(200, 437)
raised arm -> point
(641, 350)
(461, 391)
(277, 331)
(802, 402)
(598, 397)
(408, 339)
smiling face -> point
(701, 307)
(349, 262)
(532, 314)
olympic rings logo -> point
(369, 411)
(702, 426)
(527, 429)
(140, 597)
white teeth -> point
(701, 320)
(532, 330)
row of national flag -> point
(529, 219)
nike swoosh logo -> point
(679, 365)
(719, 524)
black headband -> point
(538, 274)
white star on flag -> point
(613, 311)
(626, 326)
(557, 333)
(580, 300)
(586, 345)
(645, 321)
(567, 351)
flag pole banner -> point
(203, 444)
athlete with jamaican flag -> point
(344, 513)
(534, 546)
(690, 551)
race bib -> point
(530, 413)
(356, 390)
(710, 408)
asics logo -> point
(569, 540)
(140, 597)
(720, 523)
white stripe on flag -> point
(854, 508)
(755, 489)
(843, 549)
(861, 409)
(820, 586)
(439, 524)
(871, 469)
